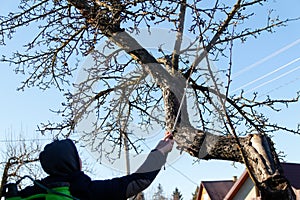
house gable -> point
(245, 189)
(214, 189)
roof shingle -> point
(217, 190)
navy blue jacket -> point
(61, 161)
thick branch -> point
(181, 20)
(214, 40)
(259, 150)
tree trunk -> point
(5, 174)
(256, 150)
(258, 155)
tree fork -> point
(259, 150)
(262, 160)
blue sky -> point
(269, 63)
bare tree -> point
(139, 86)
(19, 159)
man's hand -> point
(166, 144)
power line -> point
(268, 74)
(169, 165)
(182, 174)
(178, 171)
(147, 146)
(266, 58)
(281, 86)
(276, 78)
(25, 140)
(44, 139)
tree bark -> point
(259, 156)
(256, 150)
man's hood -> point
(60, 158)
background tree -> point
(177, 194)
(159, 194)
(195, 194)
(139, 86)
(19, 159)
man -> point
(61, 161)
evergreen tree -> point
(177, 195)
(159, 194)
(195, 194)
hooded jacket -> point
(60, 160)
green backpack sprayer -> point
(57, 192)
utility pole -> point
(126, 151)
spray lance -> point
(179, 110)
(173, 131)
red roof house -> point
(243, 188)
(214, 189)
